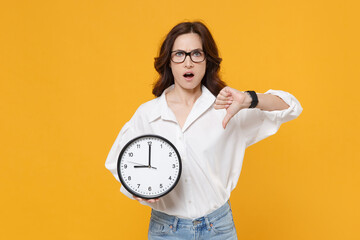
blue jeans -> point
(218, 225)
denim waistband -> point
(174, 221)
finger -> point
(137, 198)
(217, 107)
(222, 106)
(226, 119)
(222, 97)
(225, 93)
(146, 200)
(222, 102)
(228, 90)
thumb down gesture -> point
(233, 101)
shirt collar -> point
(201, 105)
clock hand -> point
(136, 163)
(149, 154)
(144, 166)
(140, 165)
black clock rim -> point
(122, 180)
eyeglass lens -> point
(195, 55)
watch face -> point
(149, 166)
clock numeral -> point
(129, 178)
(173, 165)
(170, 154)
(170, 178)
(161, 145)
(131, 154)
(161, 186)
(138, 185)
(125, 166)
(149, 188)
(138, 145)
(149, 142)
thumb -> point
(227, 118)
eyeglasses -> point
(196, 56)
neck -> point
(184, 96)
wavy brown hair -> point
(211, 79)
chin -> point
(190, 85)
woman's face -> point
(188, 42)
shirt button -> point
(190, 202)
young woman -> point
(210, 124)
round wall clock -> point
(149, 166)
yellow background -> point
(73, 72)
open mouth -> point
(188, 75)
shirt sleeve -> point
(125, 135)
(258, 124)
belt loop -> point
(176, 220)
(208, 226)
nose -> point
(188, 62)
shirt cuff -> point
(294, 109)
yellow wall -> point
(73, 72)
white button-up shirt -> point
(211, 156)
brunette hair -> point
(211, 79)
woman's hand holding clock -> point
(146, 200)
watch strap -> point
(254, 98)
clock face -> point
(149, 166)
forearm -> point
(268, 102)
(234, 100)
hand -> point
(149, 154)
(140, 165)
(144, 166)
(233, 101)
(146, 200)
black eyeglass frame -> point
(189, 54)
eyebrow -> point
(180, 50)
